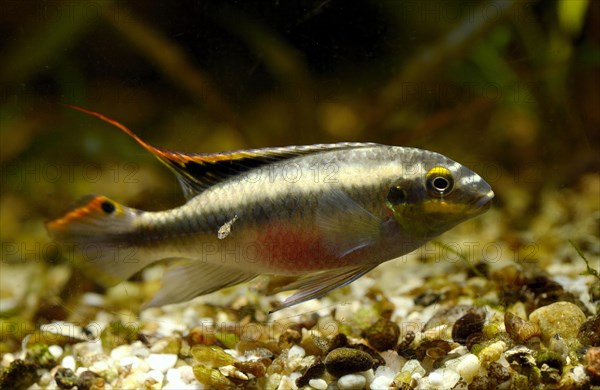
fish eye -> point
(397, 195)
(108, 207)
(439, 182)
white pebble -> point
(296, 352)
(386, 372)
(318, 384)
(436, 379)
(369, 375)
(162, 361)
(173, 375)
(56, 351)
(156, 375)
(99, 367)
(414, 367)
(352, 382)
(187, 374)
(468, 367)
(139, 349)
(133, 361)
(45, 379)
(7, 358)
(120, 352)
(92, 299)
(286, 383)
(444, 378)
(381, 383)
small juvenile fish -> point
(325, 214)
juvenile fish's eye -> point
(397, 195)
(108, 207)
(439, 182)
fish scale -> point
(325, 214)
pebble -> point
(468, 367)
(444, 378)
(381, 383)
(563, 318)
(187, 374)
(173, 375)
(519, 329)
(65, 378)
(471, 322)
(135, 363)
(414, 367)
(383, 334)
(318, 384)
(68, 362)
(156, 375)
(211, 356)
(56, 351)
(120, 352)
(351, 382)
(592, 359)
(342, 361)
(162, 361)
(296, 352)
(92, 299)
(492, 352)
(589, 332)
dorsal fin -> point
(197, 172)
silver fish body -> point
(326, 214)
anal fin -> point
(184, 282)
(315, 285)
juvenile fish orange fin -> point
(316, 285)
(196, 172)
(183, 282)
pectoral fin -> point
(184, 282)
(345, 225)
(318, 284)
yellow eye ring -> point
(439, 182)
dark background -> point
(509, 88)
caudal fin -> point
(98, 234)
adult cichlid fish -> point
(325, 214)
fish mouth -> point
(484, 202)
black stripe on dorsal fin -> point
(197, 172)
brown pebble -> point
(470, 323)
(289, 338)
(338, 341)
(519, 329)
(482, 382)
(474, 339)
(433, 349)
(589, 332)
(592, 362)
(498, 372)
(89, 380)
(404, 349)
(65, 378)
(342, 361)
(379, 360)
(520, 357)
(254, 367)
(383, 334)
(315, 369)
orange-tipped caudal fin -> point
(97, 234)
